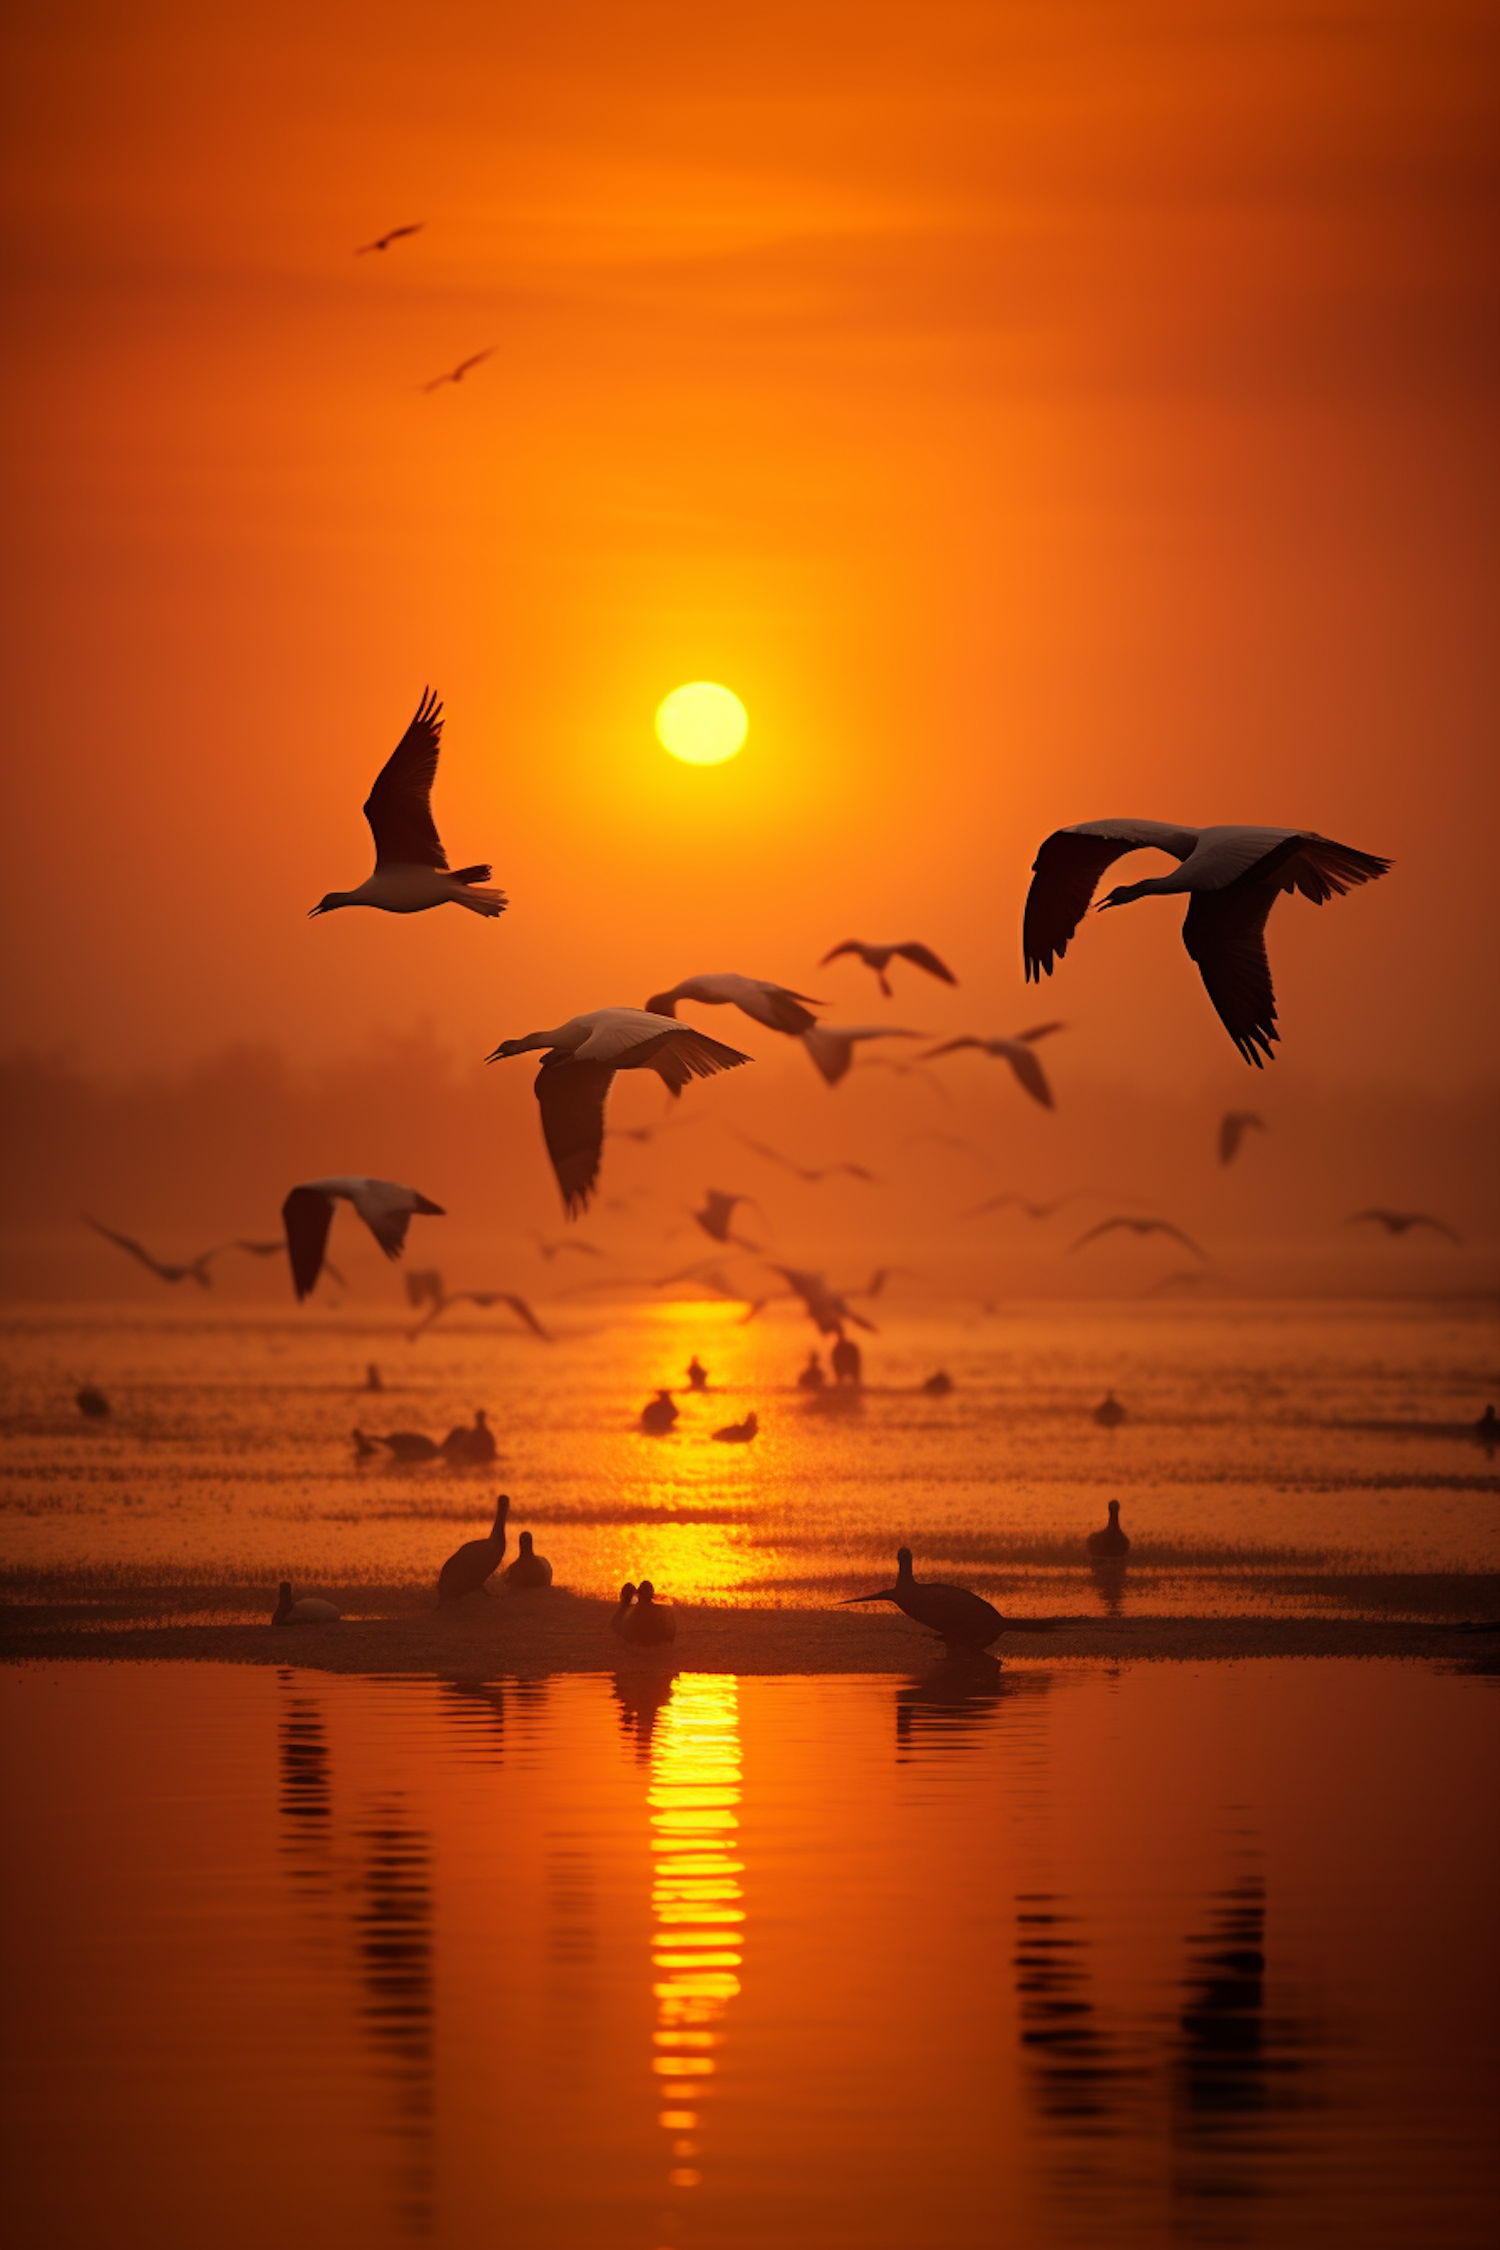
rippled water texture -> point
(1274, 1457)
(1037, 1957)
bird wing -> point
(307, 1215)
(518, 1305)
(773, 1156)
(1065, 875)
(1225, 933)
(1040, 1031)
(1231, 1133)
(1165, 1226)
(950, 1046)
(387, 1209)
(680, 1055)
(923, 957)
(831, 1052)
(571, 1094)
(1105, 1226)
(856, 1172)
(850, 945)
(259, 1249)
(1026, 1067)
(1320, 869)
(774, 1005)
(128, 1243)
(473, 360)
(398, 807)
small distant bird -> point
(1017, 1052)
(1032, 1210)
(939, 1385)
(477, 1560)
(384, 241)
(826, 1308)
(1232, 876)
(1487, 1428)
(457, 374)
(365, 1448)
(386, 1207)
(471, 1446)
(1109, 1413)
(309, 1611)
(1402, 1222)
(812, 1377)
(879, 958)
(962, 1619)
(774, 1005)
(529, 1568)
(649, 1624)
(372, 1373)
(411, 1445)
(658, 1414)
(91, 1402)
(1109, 1539)
(550, 1250)
(618, 1621)
(847, 1363)
(580, 1068)
(719, 1208)
(812, 1173)
(1141, 1226)
(193, 1269)
(832, 1046)
(739, 1433)
(1233, 1126)
(411, 866)
(441, 1302)
(697, 1374)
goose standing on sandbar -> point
(386, 1207)
(477, 1560)
(411, 867)
(529, 1568)
(651, 1624)
(579, 1069)
(1232, 878)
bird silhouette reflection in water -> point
(642, 1692)
(393, 1920)
(951, 1705)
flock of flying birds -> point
(1230, 876)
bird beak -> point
(312, 910)
(887, 1594)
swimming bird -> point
(1233, 1126)
(309, 1611)
(1109, 1539)
(578, 1071)
(697, 1374)
(826, 1308)
(650, 1623)
(411, 867)
(384, 241)
(774, 1005)
(192, 1269)
(1402, 1222)
(372, 1380)
(939, 1385)
(658, 1414)
(739, 1433)
(719, 1208)
(365, 1448)
(1109, 1413)
(812, 1173)
(832, 1045)
(1017, 1052)
(627, 1596)
(879, 958)
(91, 1402)
(474, 1446)
(1233, 877)
(411, 1445)
(529, 1568)
(470, 1565)
(1141, 1226)
(457, 374)
(962, 1619)
(386, 1207)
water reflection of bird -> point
(308, 1611)
(1015, 1051)
(476, 1561)
(1232, 878)
(529, 1569)
(471, 1446)
(949, 1706)
(832, 1045)
(650, 1624)
(93, 1405)
(879, 957)
(961, 1618)
(774, 1005)
(386, 1207)
(739, 1433)
(642, 1693)
(659, 1414)
(190, 1269)
(1109, 1413)
(812, 1173)
(1233, 1126)
(1141, 1226)
(579, 1068)
(411, 867)
(1109, 1539)
(1401, 1222)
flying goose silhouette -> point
(411, 867)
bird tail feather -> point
(490, 903)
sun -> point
(702, 724)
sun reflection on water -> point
(697, 1902)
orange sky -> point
(1032, 411)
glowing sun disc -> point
(703, 724)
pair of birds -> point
(470, 1567)
(641, 1619)
(465, 1446)
(963, 1620)
(660, 1415)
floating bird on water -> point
(658, 1414)
(650, 1624)
(1402, 1222)
(1232, 877)
(309, 1611)
(411, 867)
(1017, 1052)
(1109, 1539)
(1109, 1413)
(384, 241)
(812, 1377)
(470, 1565)
(939, 1385)
(718, 1209)
(1141, 1226)
(457, 374)
(386, 1207)
(739, 1433)
(411, 1445)
(91, 1402)
(372, 1374)
(774, 1005)
(697, 1374)
(832, 1045)
(1487, 1428)
(879, 958)
(529, 1568)
(365, 1448)
(627, 1596)
(812, 1173)
(962, 1619)
(1233, 1126)
(473, 1447)
(193, 1269)
(580, 1068)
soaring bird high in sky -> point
(579, 1069)
(1232, 877)
(411, 867)
(880, 957)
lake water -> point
(1070, 1956)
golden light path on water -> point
(696, 1899)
